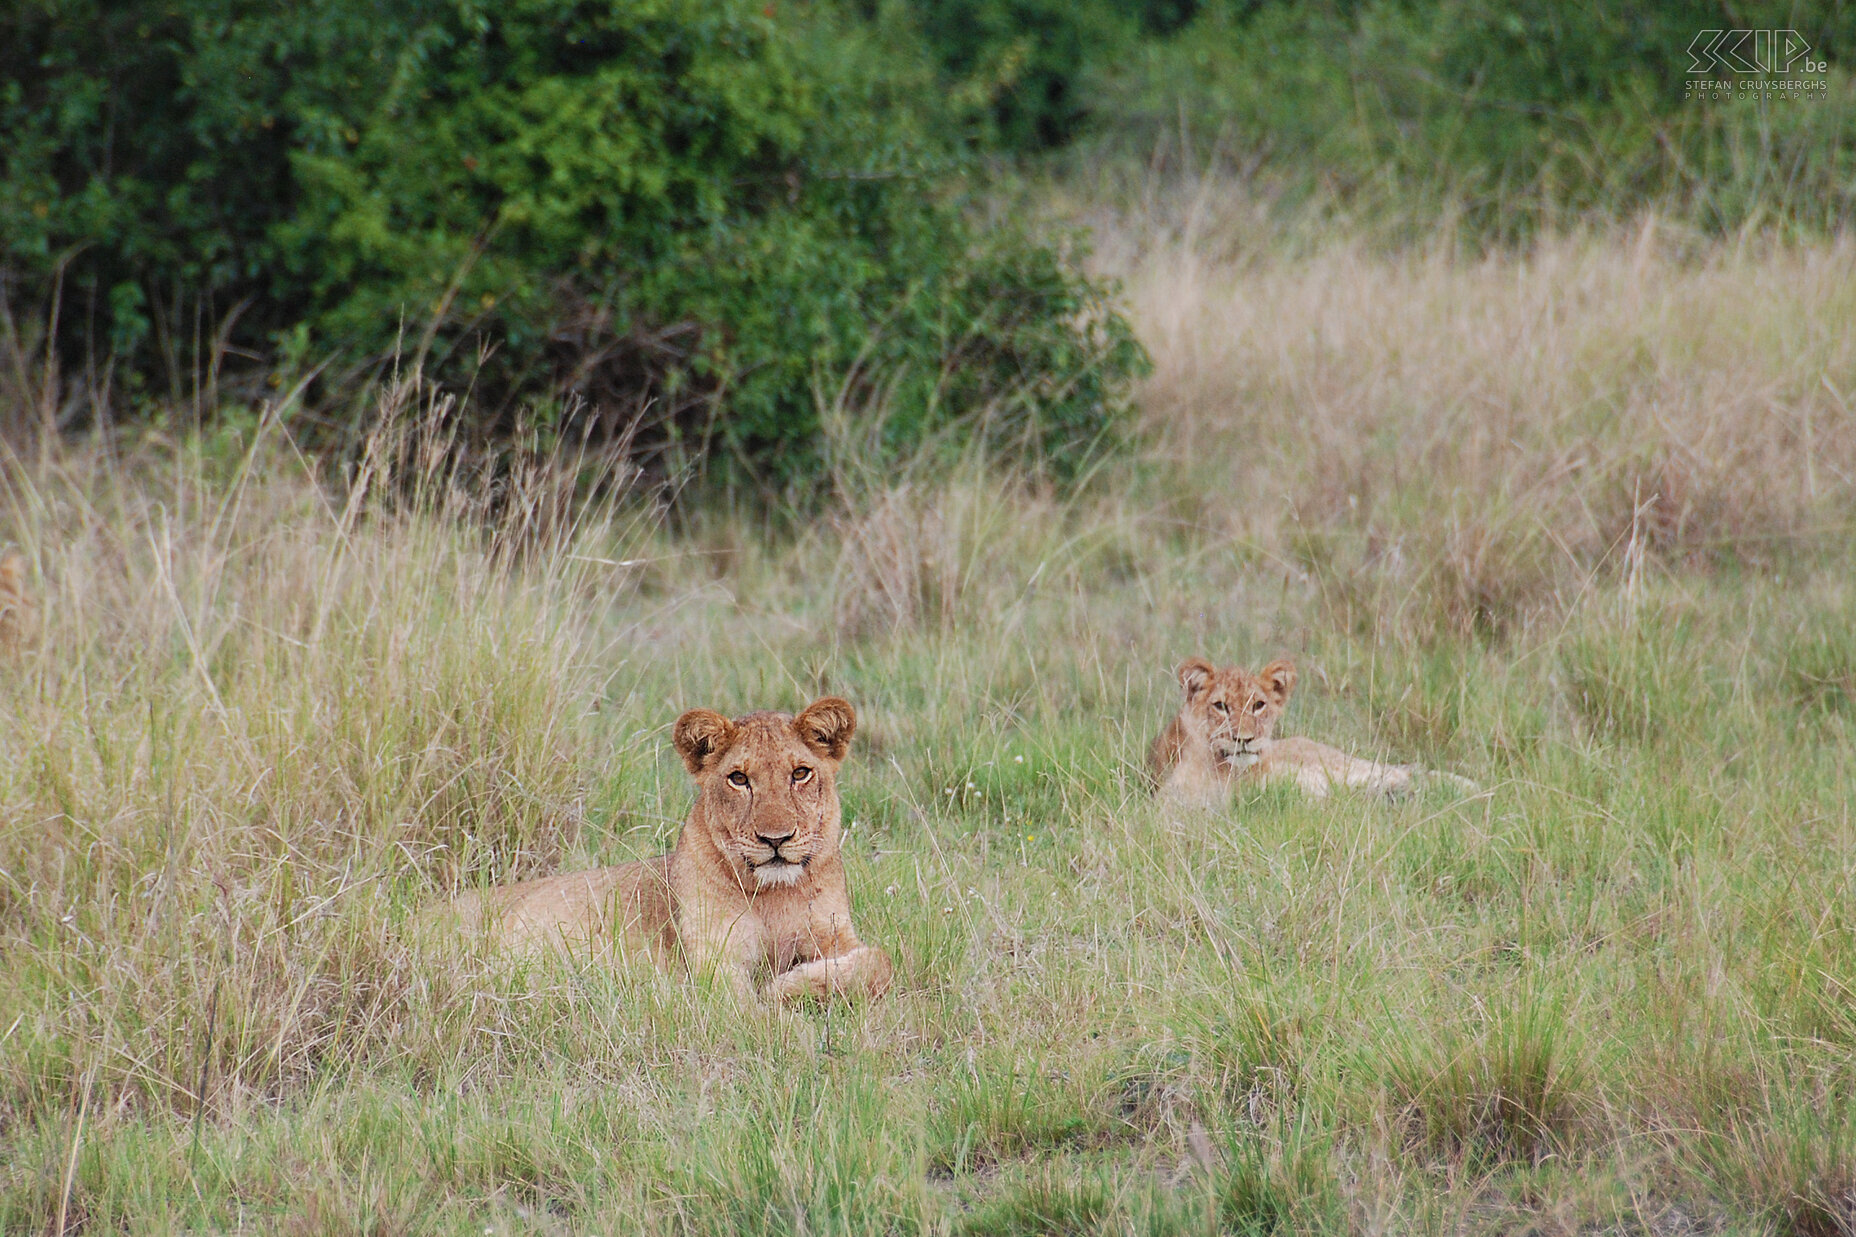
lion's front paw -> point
(864, 969)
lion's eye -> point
(1221, 706)
(801, 774)
(1257, 707)
(738, 778)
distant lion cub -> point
(755, 884)
(1223, 733)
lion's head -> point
(1231, 711)
(768, 785)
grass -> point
(1574, 523)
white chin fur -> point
(1239, 760)
(778, 872)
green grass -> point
(267, 718)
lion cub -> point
(1224, 733)
(755, 884)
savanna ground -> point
(1574, 523)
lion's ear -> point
(1279, 679)
(1194, 673)
(826, 726)
(701, 735)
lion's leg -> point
(864, 969)
(1392, 781)
(1196, 784)
(728, 951)
(834, 962)
(1317, 768)
(1302, 761)
(1314, 781)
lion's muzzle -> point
(1240, 753)
(780, 859)
(776, 872)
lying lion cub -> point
(1223, 734)
(755, 881)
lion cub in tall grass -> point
(1224, 732)
(756, 882)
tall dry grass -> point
(272, 701)
(1466, 441)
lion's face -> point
(1231, 711)
(768, 785)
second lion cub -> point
(1224, 732)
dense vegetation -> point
(716, 228)
(710, 216)
(1511, 115)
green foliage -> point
(1519, 113)
(715, 215)
(1522, 112)
(1026, 66)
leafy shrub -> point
(704, 213)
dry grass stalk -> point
(1497, 428)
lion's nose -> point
(774, 839)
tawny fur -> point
(18, 619)
(755, 887)
(1225, 734)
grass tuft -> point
(1508, 1089)
(1795, 1164)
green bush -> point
(708, 214)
